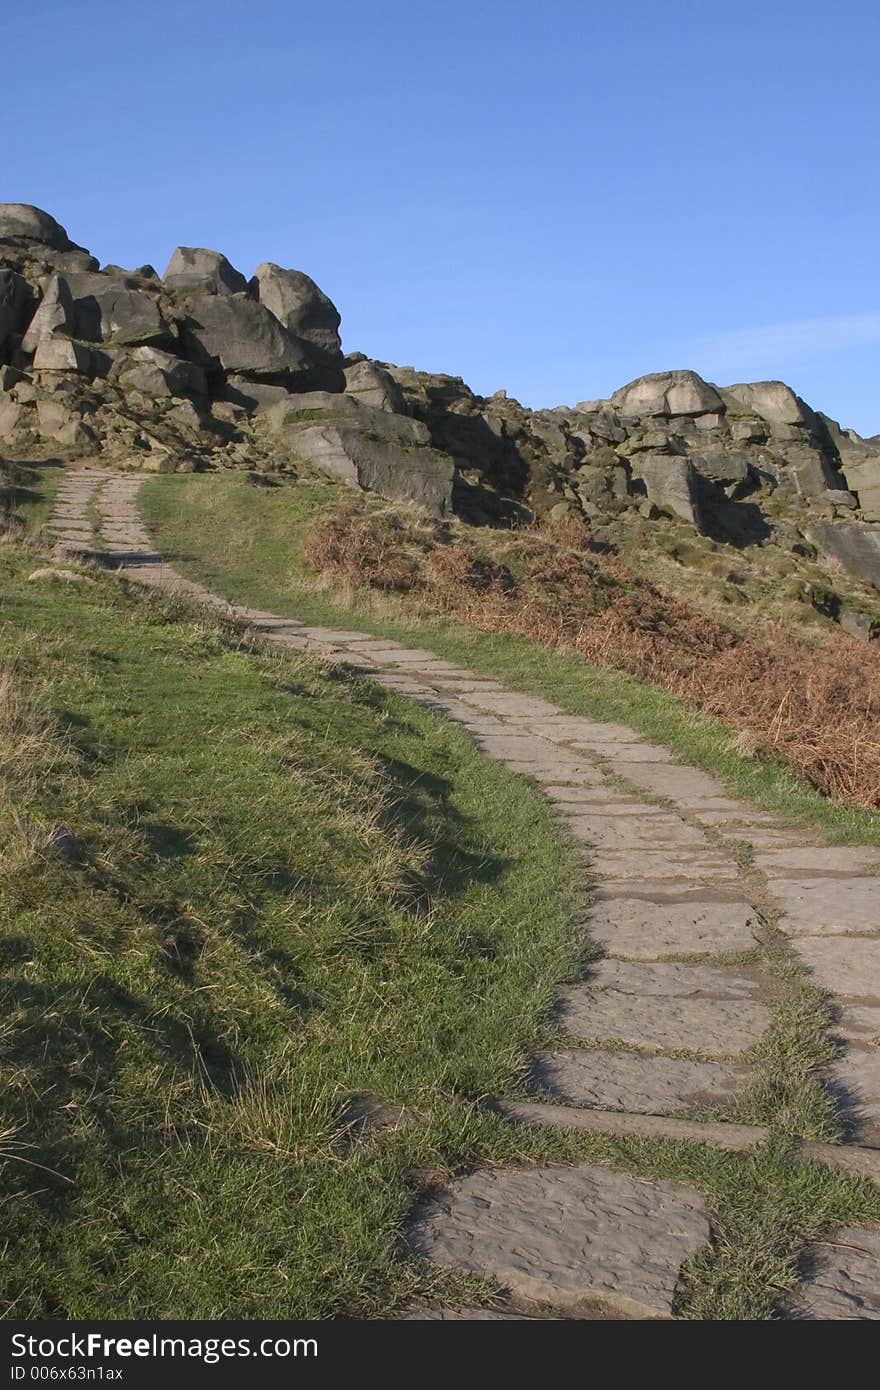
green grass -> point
(287, 889)
(282, 889)
(246, 543)
(28, 491)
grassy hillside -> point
(248, 543)
(236, 892)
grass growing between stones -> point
(247, 543)
(237, 891)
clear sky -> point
(550, 197)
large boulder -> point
(855, 548)
(298, 303)
(862, 473)
(196, 268)
(22, 223)
(667, 394)
(771, 400)
(232, 333)
(155, 373)
(367, 448)
(670, 483)
(372, 385)
(404, 474)
(106, 309)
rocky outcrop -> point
(298, 304)
(205, 368)
(184, 370)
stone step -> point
(827, 906)
(601, 1079)
(667, 1006)
(650, 920)
(730, 1137)
(568, 1239)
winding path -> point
(658, 1040)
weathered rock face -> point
(372, 385)
(298, 304)
(670, 483)
(226, 333)
(19, 222)
(370, 448)
(856, 548)
(196, 268)
(667, 394)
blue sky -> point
(553, 198)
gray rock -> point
(567, 1238)
(16, 306)
(22, 222)
(54, 315)
(748, 429)
(107, 310)
(299, 410)
(723, 465)
(862, 474)
(298, 303)
(196, 268)
(731, 1137)
(373, 386)
(405, 473)
(670, 484)
(771, 400)
(848, 967)
(650, 922)
(254, 395)
(856, 548)
(865, 626)
(668, 393)
(232, 333)
(157, 373)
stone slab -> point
(731, 1138)
(669, 1006)
(511, 705)
(622, 755)
(565, 1238)
(846, 965)
(840, 1279)
(675, 864)
(604, 1080)
(687, 924)
(554, 770)
(813, 860)
(633, 833)
(678, 783)
(849, 1158)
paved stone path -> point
(657, 1040)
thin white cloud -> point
(782, 343)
